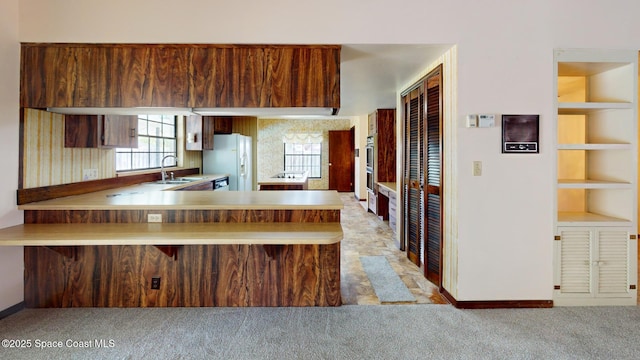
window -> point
(156, 138)
(303, 152)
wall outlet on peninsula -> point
(89, 174)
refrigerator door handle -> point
(243, 162)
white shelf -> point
(591, 184)
(581, 108)
(589, 219)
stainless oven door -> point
(370, 179)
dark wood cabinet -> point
(179, 75)
(200, 130)
(385, 149)
(199, 187)
(96, 131)
(222, 124)
(382, 125)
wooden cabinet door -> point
(120, 131)
(223, 125)
(95, 131)
(193, 129)
(81, 131)
(208, 130)
(385, 156)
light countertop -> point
(391, 186)
(170, 234)
(153, 196)
(284, 180)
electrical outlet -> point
(155, 283)
(154, 218)
(89, 174)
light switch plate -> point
(477, 168)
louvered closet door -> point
(413, 174)
(594, 262)
(575, 261)
(433, 176)
(612, 262)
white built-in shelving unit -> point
(597, 171)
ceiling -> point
(371, 73)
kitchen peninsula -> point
(210, 248)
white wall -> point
(504, 66)
(360, 140)
(11, 258)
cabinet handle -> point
(133, 132)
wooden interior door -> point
(413, 194)
(422, 180)
(433, 177)
(341, 160)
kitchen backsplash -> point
(271, 148)
(47, 162)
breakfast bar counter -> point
(144, 246)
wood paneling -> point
(165, 75)
(45, 159)
(202, 275)
(178, 216)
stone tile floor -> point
(365, 234)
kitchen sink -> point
(190, 178)
(173, 182)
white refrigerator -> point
(231, 155)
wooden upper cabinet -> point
(169, 75)
(208, 130)
(120, 131)
(193, 129)
(223, 124)
(96, 131)
(373, 123)
(385, 125)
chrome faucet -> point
(162, 172)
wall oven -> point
(370, 180)
(370, 152)
(370, 162)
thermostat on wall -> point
(486, 120)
